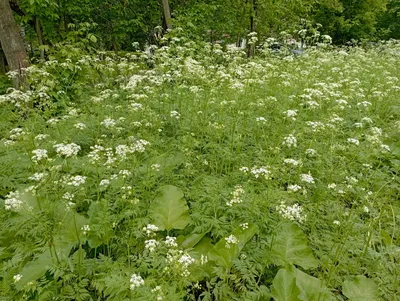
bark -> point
(253, 15)
(39, 35)
(12, 43)
(2, 62)
(167, 14)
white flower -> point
(17, 278)
(80, 125)
(311, 152)
(37, 176)
(337, 223)
(85, 229)
(244, 226)
(261, 119)
(291, 114)
(39, 154)
(385, 148)
(262, 171)
(291, 212)
(290, 141)
(332, 186)
(76, 181)
(231, 240)
(68, 196)
(236, 196)
(366, 209)
(175, 114)
(294, 188)
(171, 241)
(41, 137)
(150, 229)
(151, 244)
(155, 167)
(12, 201)
(136, 281)
(244, 169)
(67, 150)
(104, 182)
(108, 123)
(292, 162)
(353, 141)
(186, 260)
(307, 178)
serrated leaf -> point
(290, 247)
(284, 287)
(169, 210)
(224, 254)
(360, 289)
(34, 270)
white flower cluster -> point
(171, 242)
(136, 281)
(291, 212)
(290, 141)
(76, 181)
(353, 141)
(138, 146)
(292, 162)
(67, 150)
(307, 178)
(108, 123)
(231, 240)
(80, 126)
(236, 196)
(37, 176)
(150, 229)
(12, 201)
(294, 188)
(151, 244)
(175, 114)
(85, 229)
(15, 133)
(180, 261)
(260, 171)
(39, 154)
(291, 114)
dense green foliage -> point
(115, 25)
(199, 174)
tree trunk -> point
(39, 35)
(167, 14)
(253, 15)
(2, 62)
(12, 43)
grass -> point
(206, 177)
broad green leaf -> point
(361, 289)
(224, 254)
(34, 270)
(191, 240)
(203, 267)
(290, 247)
(284, 287)
(312, 289)
(169, 210)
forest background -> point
(116, 24)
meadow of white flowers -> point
(199, 174)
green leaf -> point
(312, 289)
(169, 210)
(360, 289)
(290, 247)
(284, 287)
(224, 254)
(34, 270)
(191, 240)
